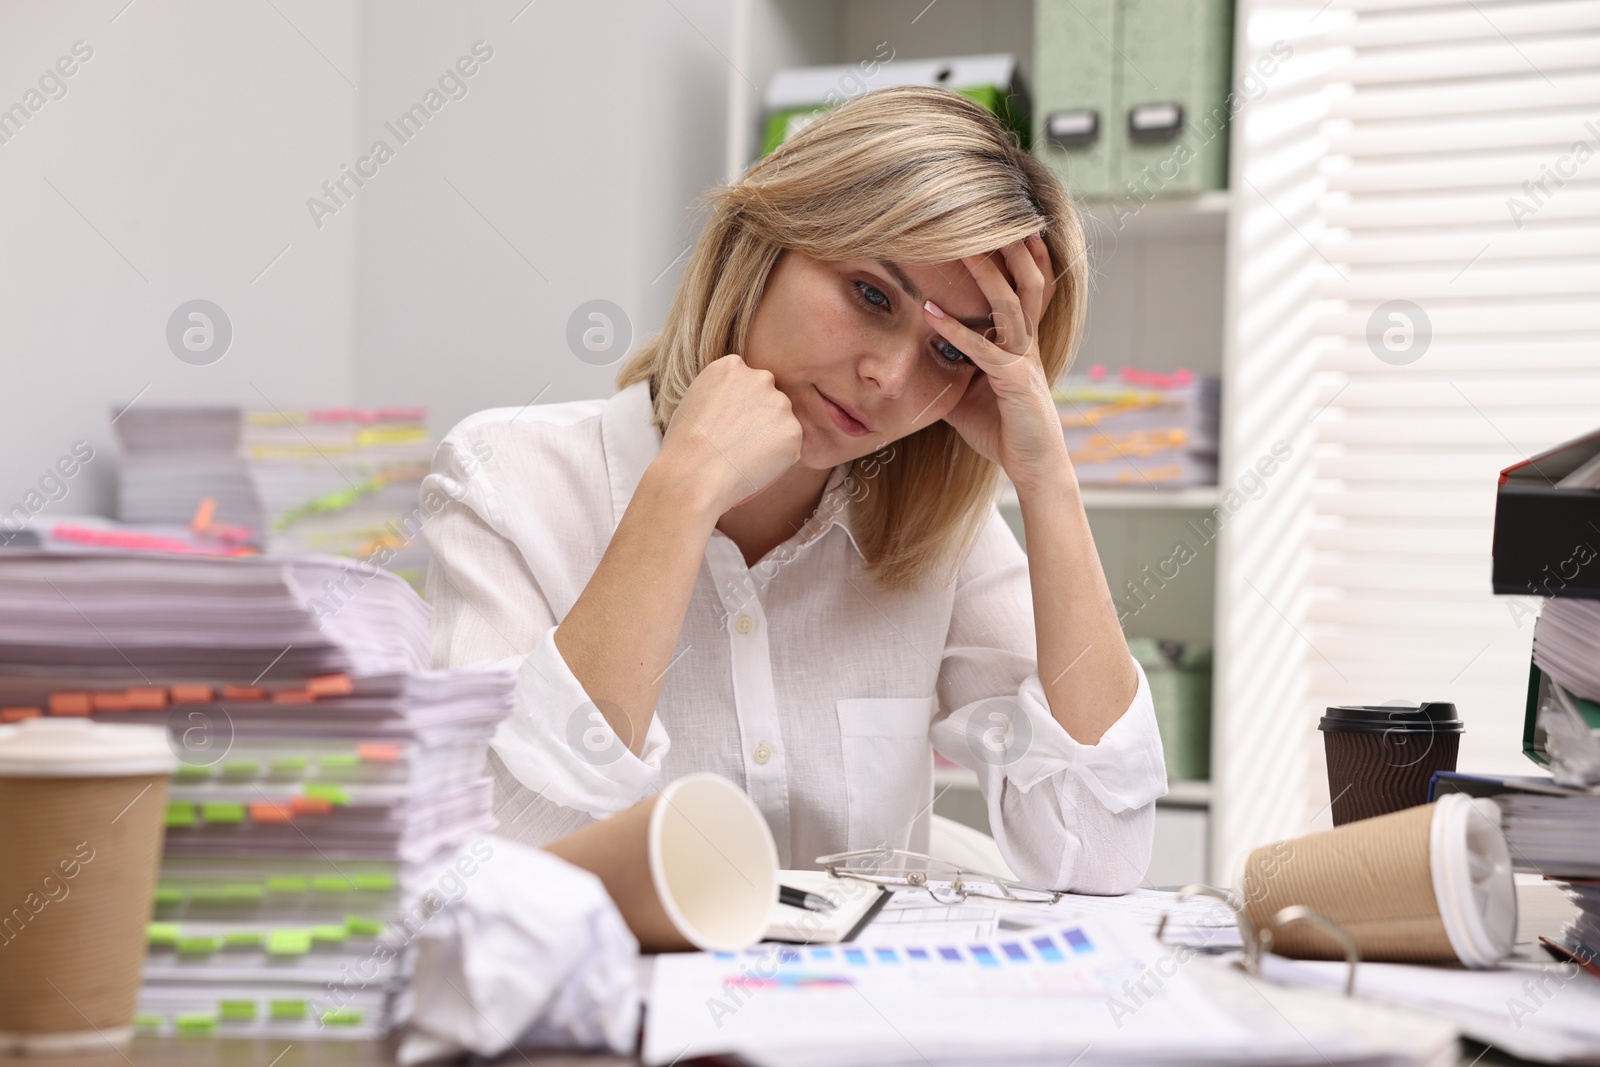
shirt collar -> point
(632, 442)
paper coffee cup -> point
(80, 845)
(694, 867)
(1382, 757)
(1427, 884)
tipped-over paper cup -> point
(1427, 884)
(694, 867)
(80, 842)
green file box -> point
(1180, 688)
(1154, 75)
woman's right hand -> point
(733, 433)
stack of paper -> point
(1141, 430)
(330, 795)
(341, 481)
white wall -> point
(179, 162)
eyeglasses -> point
(898, 868)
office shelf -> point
(1197, 498)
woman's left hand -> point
(1007, 414)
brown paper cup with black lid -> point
(1427, 884)
(80, 846)
(1382, 757)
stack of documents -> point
(330, 789)
(1141, 430)
(341, 481)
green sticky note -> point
(237, 1011)
(332, 792)
(222, 811)
(342, 761)
(331, 883)
(148, 1022)
(341, 1017)
(288, 942)
(192, 771)
(379, 883)
(195, 1023)
(363, 927)
(168, 894)
(290, 765)
(242, 768)
(180, 813)
(287, 883)
(243, 893)
(242, 939)
(287, 1009)
(329, 932)
(197, 946)
(162, 934)
(208, 894)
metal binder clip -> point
(1247, 934)
(1296, 913)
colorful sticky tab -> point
(288, 942)
(241, 768)
(329, 791)
(237, 1011)
(303, 805)
(331, 883)
(18, 714)
(330, 685)
(148, 1022)
(146, 697)
(190, 772)
(378, 751)
(111, 702)
(361, 927)
(337, 933)
(71, 704)
(380, 883)
(267, 811)
(162, 935)
(242, 939)
(339, 761)
(195, 1023)
(197, 946)
(287, 1009)
(290, 765)
(341, 1017)
(222, 811)
(286, 883)
(180, 813)
(168, 895)
(294, 696)
(243, 692)
(190, 694)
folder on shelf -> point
(1546, 533)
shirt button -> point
(744, 626)
(763, 753)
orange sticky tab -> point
(146, 697)
(331, 685)
(111, 702)
(266, 811)
(191, 694)
(243, 692)
(71, 704)
(203, 515)
(378, 752)
(294, 696)
(310, 806)
(18, 714)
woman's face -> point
(852, 335)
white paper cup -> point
(694, 867)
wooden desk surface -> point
(1542, 909)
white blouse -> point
(821, 694)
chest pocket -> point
(888, 767)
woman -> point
(774, 553)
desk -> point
(1542, 909)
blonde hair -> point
(915, 174)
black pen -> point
(799, 898)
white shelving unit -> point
(1160, 275)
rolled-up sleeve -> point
(556, 762)
(1065, 814)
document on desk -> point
(1096, 991)
(1548, 1013)
(915, 914)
